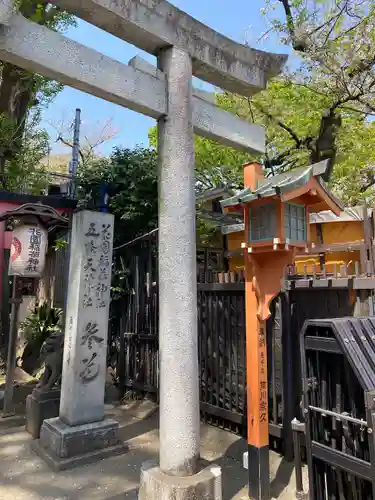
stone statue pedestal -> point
(41, 405)
(63, 446)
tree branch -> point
(251, 109)
(289, 17)
(362, 66)
(335, 20)
(282, 125)
(369, 106)
(369, 184)
(361, 111)
(70, 145)
(298, 45)
(311, 89)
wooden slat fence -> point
(53, 283)
(134, 322)
(221, 342)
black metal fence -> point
(338, 370)
(297, 306)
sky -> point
(239, 19)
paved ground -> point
(23, 476)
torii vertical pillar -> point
(179, 474)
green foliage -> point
(354, 174)
(46, 13)
(45, 90)
(131, 180)
(294, 126)
(22, 96)
(333, 61)
(39, 325)
(60, 244)
(23, 170)
(206, 233)
(130, 177)
(215, 165)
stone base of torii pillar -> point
(156, 485)
(81, 434)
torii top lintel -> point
(152, 25)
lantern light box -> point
(28, 251)
(263, 222)
(276, 209)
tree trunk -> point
(16, 94)
(324, 147)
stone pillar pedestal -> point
(156, 485)
(41, 405)
(63, 446)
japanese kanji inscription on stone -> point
(87, 310)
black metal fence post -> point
(288, 364)
(298, 428)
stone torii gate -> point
(184, 47)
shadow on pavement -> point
(24, 476)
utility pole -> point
(75, 153)
(72, 193)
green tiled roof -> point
(282, 183)
(272, 186)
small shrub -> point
(37, 327)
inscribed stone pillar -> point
(81, 433)
(86, 328)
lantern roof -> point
(51, 211)
(47, 216)
(283, 185)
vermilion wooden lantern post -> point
(276, 212)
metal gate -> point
(338, 374)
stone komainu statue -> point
(52, 354)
